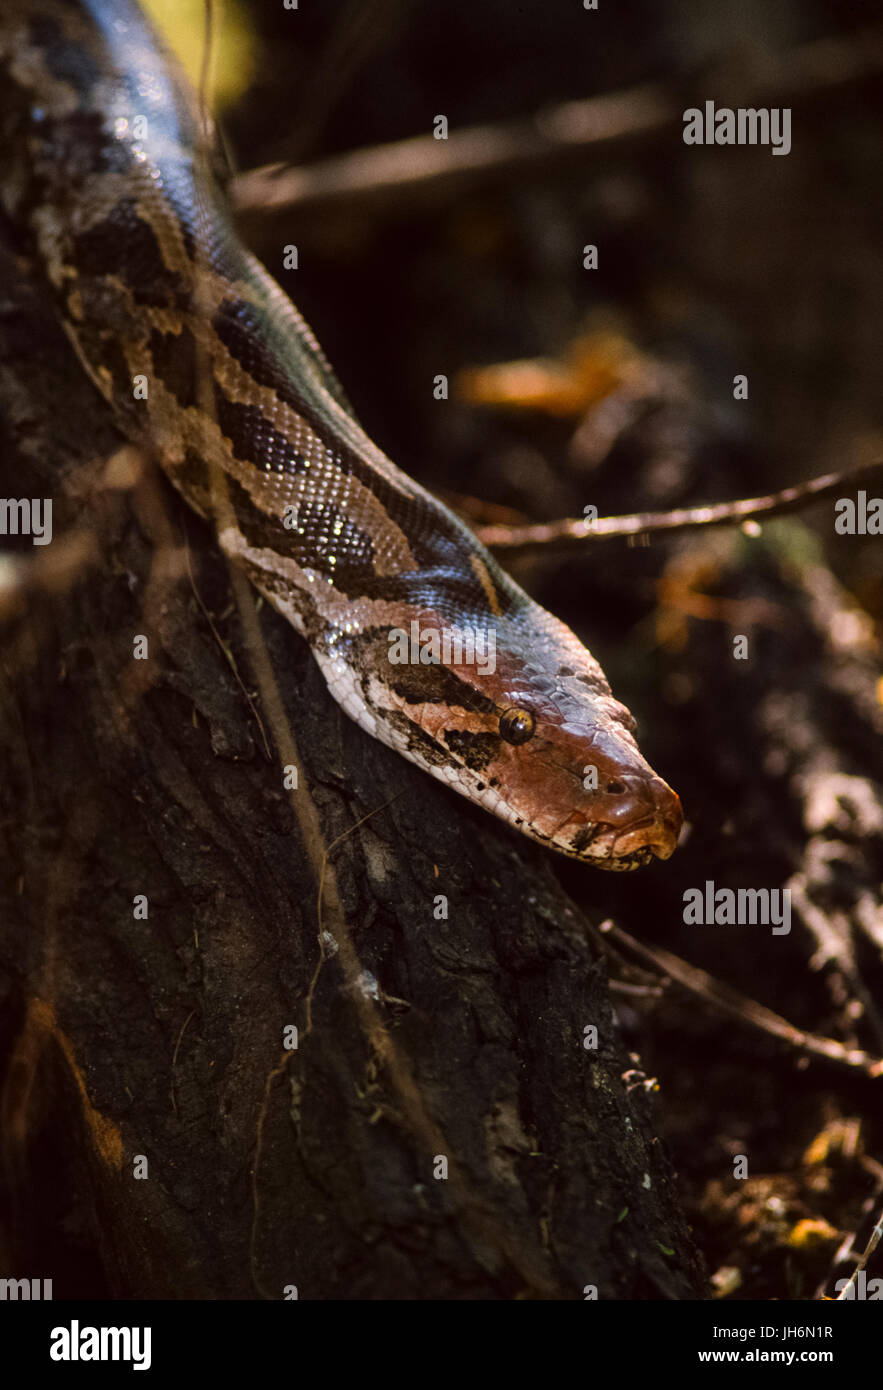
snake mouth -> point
(657, 836)
(624, 863)
(620, 848)
(605, 847)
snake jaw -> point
(659, 832)
(625, 863)
(632, 844)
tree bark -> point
(160, 1139)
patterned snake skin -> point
(422, 638)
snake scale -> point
(106, 180)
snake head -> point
(581, 783)
(569, 772)
(535, 737)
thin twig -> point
(175, 1060)
(731, 1002)
(203, 94)
(848, 1290)
(573, 529)
(383, 175)
(228, 654)
(320, 930)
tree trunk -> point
(440, 1130)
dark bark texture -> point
(164, 1038)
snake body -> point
(106, 175)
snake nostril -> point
(615, 788)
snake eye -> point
(517, 725)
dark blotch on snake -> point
(476, 750)
(176, 363)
